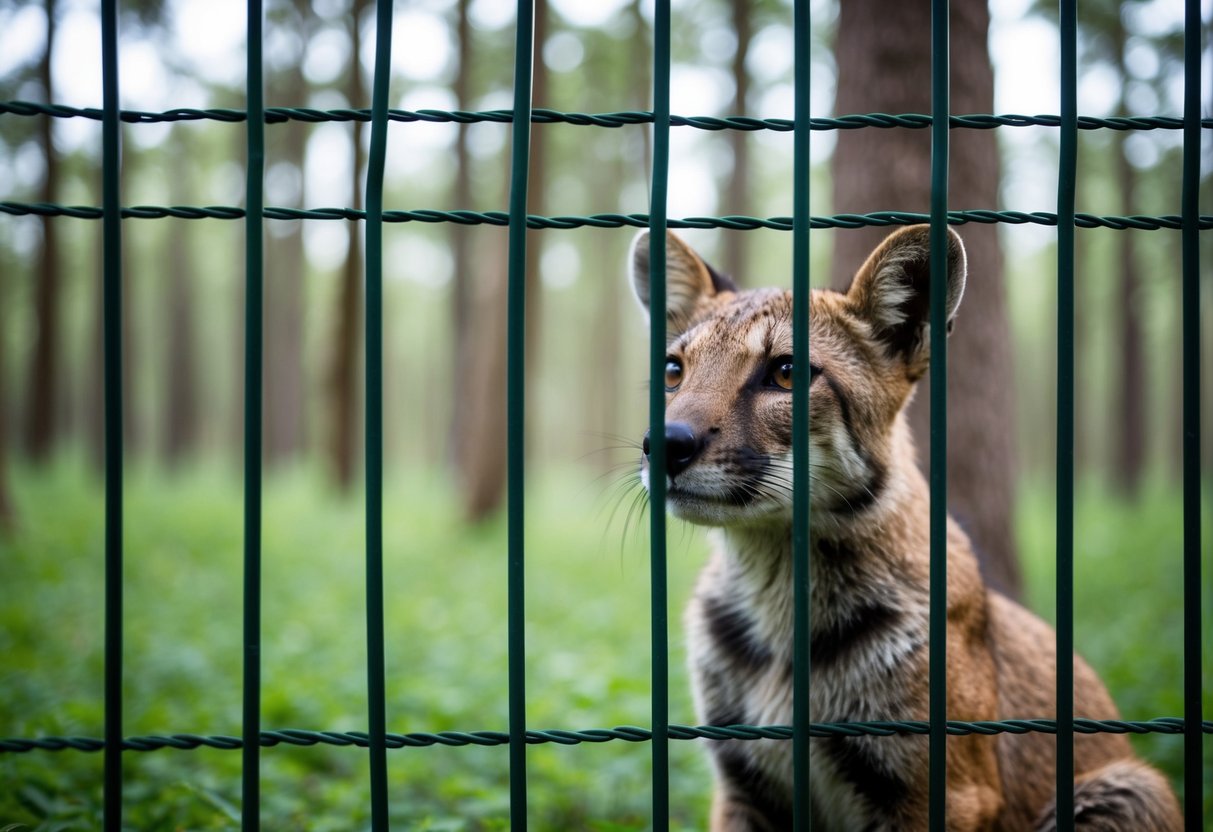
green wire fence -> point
(377, 739)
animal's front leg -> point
(731, 814)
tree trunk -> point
(43, 378)
(738, 190)
(536, 204)
(180, 430)
(883, 54)
(94, 359)
(1129, 453)
(1129, 390)
(481, 450)
(8, 519)
(343, 374)
(461, 252)
(479, 398)
(285, 287)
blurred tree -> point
(477, 436)
(883, 56)
(1129, 386)
(42, 379)
(343, 369)
(179, 431)
(479, 440)
(7, 511)
(536, 203)
(286, 267)
(737, 191)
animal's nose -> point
(681, 447)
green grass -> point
(587, 648)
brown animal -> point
(728, 439)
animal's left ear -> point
(689, 281)
(892, 291)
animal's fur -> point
(869, 567)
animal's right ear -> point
(689, 281)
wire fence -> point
(377, 739)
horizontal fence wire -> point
(624, 733)
(1136, 222)
(912, 121)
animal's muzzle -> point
(682, 447)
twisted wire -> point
(913, 121)
(626, 733)
(733, 222)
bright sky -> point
(207, 37)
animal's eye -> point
(673, 373)
(781, 372)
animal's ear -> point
(892, 291)
(689, 281)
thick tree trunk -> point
(536, 203)
(480, 452)
(1129, 377)
(42, 381)
(736, 246)
(343, 374)
(285, 289)
(8, 516)
(94, 358)
(179, 432)
(461, 253)
(1129, 455)
(883, 54)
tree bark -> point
(736, 248)
(1129, 393)
(883, 54)
(8, 516)
(343, 373)
(536, 202)
(1129, 381)
(180, 429)
(461, 252)
(285, 286)
(43, 377)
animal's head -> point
(728, 380)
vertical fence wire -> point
(516, 406)
(111, 137)
(253, 313)
(1190, 250)
(1066, 183)
(376, 684)
(938, 635)
(658, 591)
(801, 380)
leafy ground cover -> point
(587, 648)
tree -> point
(7, 511)
(477, 436)
(42, 380)
(478, 447)
(179, 432)
(883, 54)
(737, 192)
(286, 268)
(343, 370)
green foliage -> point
(587, 655)
(1128, 604)
(587, 647)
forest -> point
(182, 66)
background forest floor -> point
(587, 646)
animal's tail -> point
(1123, 796)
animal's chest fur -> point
(868, 659)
